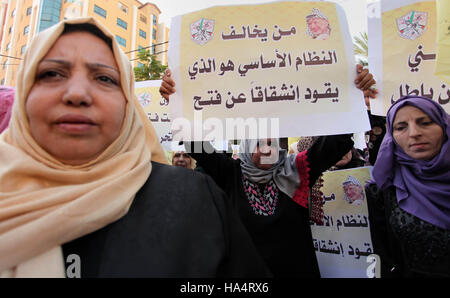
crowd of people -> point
(82, 172)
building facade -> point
(135, 26)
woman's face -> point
(76, 106)
(417, 134)
(265, 155)
(181, 159)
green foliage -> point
(361, 44)
(151, 69)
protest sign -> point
(156, 108)
(286, 68)
(402, 52)
(343, 242)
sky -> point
(354, 9)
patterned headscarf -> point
(305, 143)
(283, 171)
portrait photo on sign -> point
(318, 25)
(353, 191)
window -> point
(28, 11)
(100, 11)
(154, 34)
(26, 30)
(123, 7)
(4, 64)
(7, 47)
(143, 19)
(22, 50)
(121, 41)
(155, 20)
(142, 34)
(10, 30)
(49, 14)
(122, 23)
(13, 13)
(140, 64)
(2, 82)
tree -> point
(361, 44)
(151, 69)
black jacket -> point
(407, 245)
(179, 225)
(283, 239)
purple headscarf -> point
(6, 102)
(422, 186)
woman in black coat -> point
(409, 198)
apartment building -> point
(134, 24)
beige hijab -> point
(44, 203)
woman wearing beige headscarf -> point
(82, 174)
